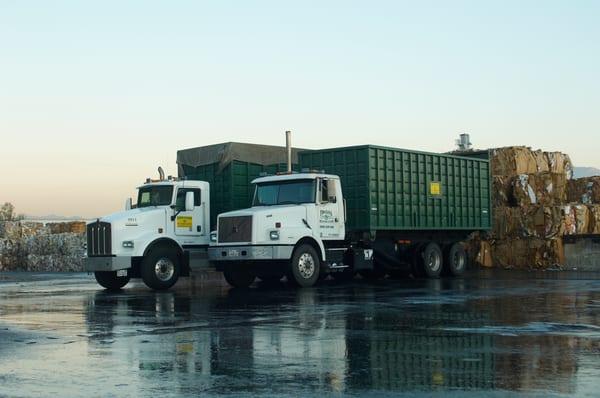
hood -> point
(133, 216)
(266, 210)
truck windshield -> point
(157, 195)
(285, 193)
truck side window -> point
(180, 202)
(324, 191)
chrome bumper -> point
(241, 253)
(91, 264)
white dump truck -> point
(157, 239)
(166, 232)
(401, 212)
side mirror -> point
(128, 205)
(189, 201)
(332, 199)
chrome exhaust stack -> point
(288, 149)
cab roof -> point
(294, 176)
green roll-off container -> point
(229, 168)
(390, 189)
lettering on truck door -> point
(328, 210)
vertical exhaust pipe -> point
(288, 149)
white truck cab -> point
(156, 239)
(295, 225)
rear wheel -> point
(238, 277)
(304, 266)
(160, 268)
(432, 260)
(455, 262)
(110, 281)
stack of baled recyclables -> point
(532, 211)
(229, 168)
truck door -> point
(189, 223)
(329, 217)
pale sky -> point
(95, 95)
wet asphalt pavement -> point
(485, 335)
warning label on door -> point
(184, 222)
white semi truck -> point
(295, 228)
(157, 239)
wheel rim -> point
(164, 269)
(433, 262)
(306, 265)
(459, 261)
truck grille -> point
(235, 229)
(98, 239)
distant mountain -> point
(580, 172)
(53, 217)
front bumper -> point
(242, 253)
(91, 264)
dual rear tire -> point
(432, 261)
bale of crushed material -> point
(576, 219)
(20, 229)
(502, 191)
(528, 253)
(512, 161)
(75, 227)
(560, 163)
(484, 255)
(547, 189)
(53, 263)
(594, 219)
(57, 244)
(11, 254)
(531, 221)
(584, 190)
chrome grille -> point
(99, 239)
(235, 229)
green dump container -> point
(397, 189)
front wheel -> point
(238, 277)
(110, 281)
(304, 266)
(160, 268)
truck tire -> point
(238, 277)
(432, 260)
(110, 281)
(455, 263)
(304, 266)
(160, 268)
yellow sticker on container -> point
(184, 222)
(435, 188)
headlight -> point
(274, 235)
(128, 244)
(213, 236)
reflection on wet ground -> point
(484, 335)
